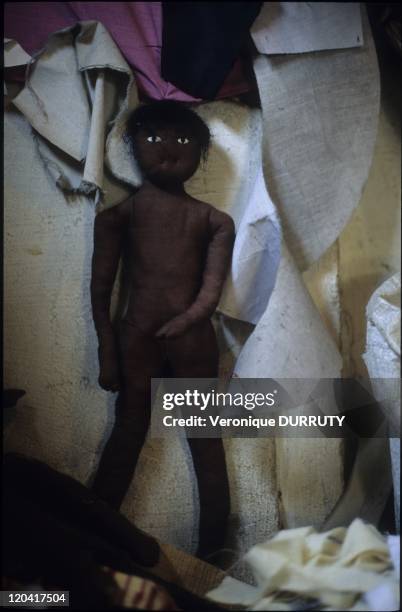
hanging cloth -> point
(201, 41)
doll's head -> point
(168, 140)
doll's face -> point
(167, 156)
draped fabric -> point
(136, 29)
(201, 41)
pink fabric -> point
(136, 27)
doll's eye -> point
(183, 140)
(154, 139)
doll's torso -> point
(166, 241)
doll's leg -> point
(195, 355)
(141, 358)
(213, 488)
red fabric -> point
(136, 27)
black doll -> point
(178, 250)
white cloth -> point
(320, 113)
(333, 568)
(14, 54)
(300, 27)
(383, 361)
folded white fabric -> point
(300, 568)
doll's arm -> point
(217, 265)
(108, 240)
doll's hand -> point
(175, 327)
(109, 378)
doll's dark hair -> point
(169, 113)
